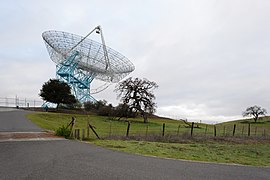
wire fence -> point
(111, 130)
(20, 102)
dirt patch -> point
(23, 135)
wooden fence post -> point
(146, 131)
(93, 129)
(88, 129)
(74, 134)
(192, 126)
(163, 129)
(215, 130)
(248, 129)
(110, 130)
(71, 125)
(205, 130)
(83, 134)
(178, 130)
(255, 130)
(234, 127)
(128, 129)
(77, 133)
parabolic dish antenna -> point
(80, 60)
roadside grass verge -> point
(238, 151)
(107, 127)
(255, 154)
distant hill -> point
(261, 120)
(262, 126)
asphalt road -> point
(75, 160)
(14, 120)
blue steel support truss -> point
(77, 79)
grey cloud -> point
(210, 58)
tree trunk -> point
(256, 118)
(145, 118)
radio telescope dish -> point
(79, 60)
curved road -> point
(14, 120)
(75, 160)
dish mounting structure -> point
(80, 60)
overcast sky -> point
(210, 58)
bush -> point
(63, 131)
(105, 111)
(123, 110)
(95, 106)
(88, 106)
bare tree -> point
(138, 94)
(255, 112)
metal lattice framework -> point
(80, 60)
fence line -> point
(20, 102)
(130, 129)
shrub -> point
(88, 106)
(63, 131)
(104, 111)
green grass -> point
(247, 153)
(211, 151)
(262, 127)
(105, 126)
(54, 120)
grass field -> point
(256, 154)
(261, 128)
(105, 126)
(242, 151)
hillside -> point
(260, 128)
